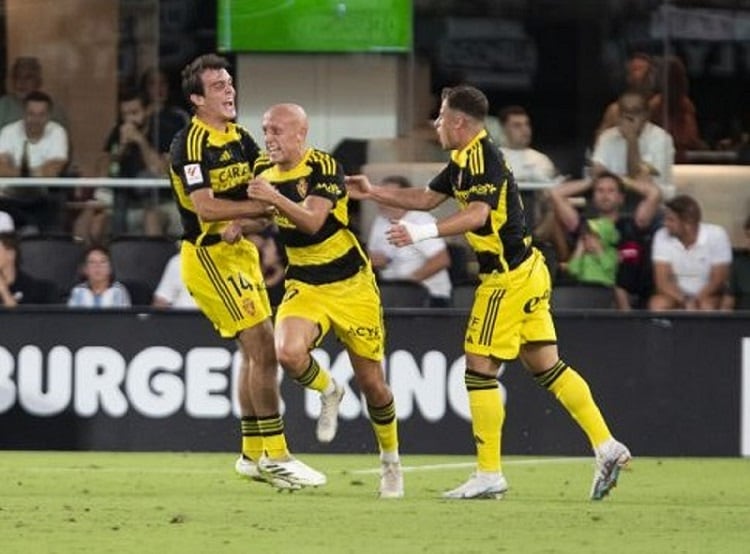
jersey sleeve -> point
(187, 164)
(441, 182)
(326, 177)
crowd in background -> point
(618, 226)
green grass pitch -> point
(63, 502)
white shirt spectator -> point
(6, 223)
(692, 266)
(404, 261)
(171, 289)
(53, 145)
(528, 164)
(655, 146)
(116, 296)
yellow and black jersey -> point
(204, 157)
(333, 253)
(478, 173)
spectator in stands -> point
(640, 77)
(166, 118)
(25, 77)
(171, 291)
(672, 109)
(17, 287)
(425, 262)
(131, 152)
(691, 259)
(33, 146)
(633, 281)
(737, 296)
(594, 260)
(636, 148)
(526, 163)
(99, 289)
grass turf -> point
(167, 502)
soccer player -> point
(511, 316)
(212, 160)
(327, 266)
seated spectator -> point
(672, 109)
(425, 262)
(171, 291)
(25, 77)
(640, 77)
(33, 146)
(166, 117)
(99, 289)
(17, 287)
(633, 279)
(737, 296)
(691, 259)
(133, 151)
(526, 163)
(636, 148)
(594, 260)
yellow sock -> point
(574, 394)
(487, 416)
(385, 425)
(274, 441)
(315, 377)
(252, 440)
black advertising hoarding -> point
(162, 381)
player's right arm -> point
(425, 199)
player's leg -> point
(277, 465)
(572, 391)
(301, 323)
(381, 408)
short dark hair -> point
(38, 96)
(128, 93)
(686, 207)
(399, 180)
(508, 111)
(191, 73)
(467, 99)
(614, 176)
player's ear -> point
(197, 99)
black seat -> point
(403, 294)
(139, 262)
(463, 295)
(54, 258)
(581, 297)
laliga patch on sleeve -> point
(193, 174)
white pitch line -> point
(438, 467)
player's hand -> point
(260, 189)
(403, 233)
(232, 232)
(358, 186)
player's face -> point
(518, 131)
(284, 137)
(218, 100)
(445, 125)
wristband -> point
(419, 232)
